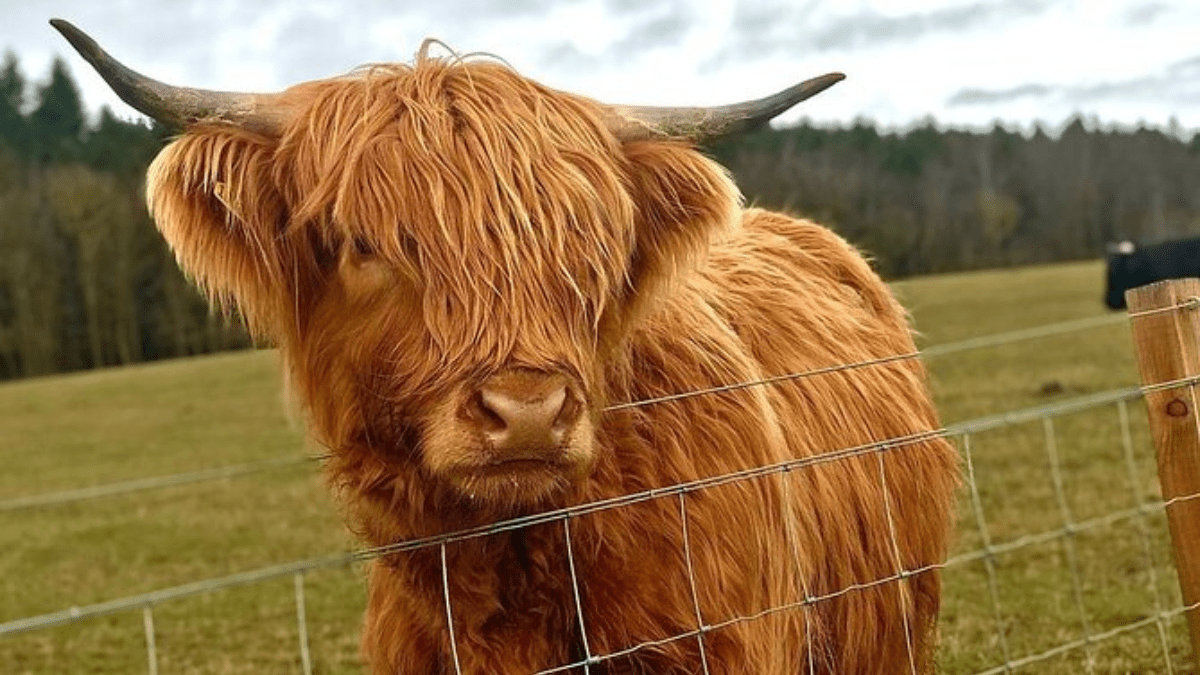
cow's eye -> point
(363, 247)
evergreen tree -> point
(58, 123)
(121, 147)
(13, 131)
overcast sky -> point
(964, 62)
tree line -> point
(926, 200)
(86, 281)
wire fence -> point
(989, 537)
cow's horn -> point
(177, 107)
(709, 124)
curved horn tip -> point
(176, 107)
(80, 40)
(822, 82)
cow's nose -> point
(524, 415)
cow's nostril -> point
(568, 413)
(484, 416)
(526, 416)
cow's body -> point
(465, 271)
(1131, 265)
(735, 320)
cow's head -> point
(445, 252)
(1121, 272)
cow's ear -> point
(214, 198)
(681, 201)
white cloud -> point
(906, 58)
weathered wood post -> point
(1165, 318)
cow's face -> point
(450, 257)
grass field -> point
(67, 432)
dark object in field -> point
(1051, 388)
(467, 273)
(1132, 265)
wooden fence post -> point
(1165, 318)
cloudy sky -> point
(964, 62)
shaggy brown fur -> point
(417, 229)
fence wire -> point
(1071, 527)
(1141, 522)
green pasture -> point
(68, 432)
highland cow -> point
(464, 272)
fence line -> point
(964, 431)
(151, 483)
(987, 554)
(1143, 529)
(774, 379)
(74, 614)
(1187, 303)
(587, 650)
(59, 498)
(1047, 536)
(266, 573)
(449, 614)
(302, 623)
(1069, 528)
(141, 600)
(1024, 334)
(147, 601)
(899, 560)
(1059, 650)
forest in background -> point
(86, 281)
(926, 200)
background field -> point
(67, 432)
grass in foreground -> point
(95, 428)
